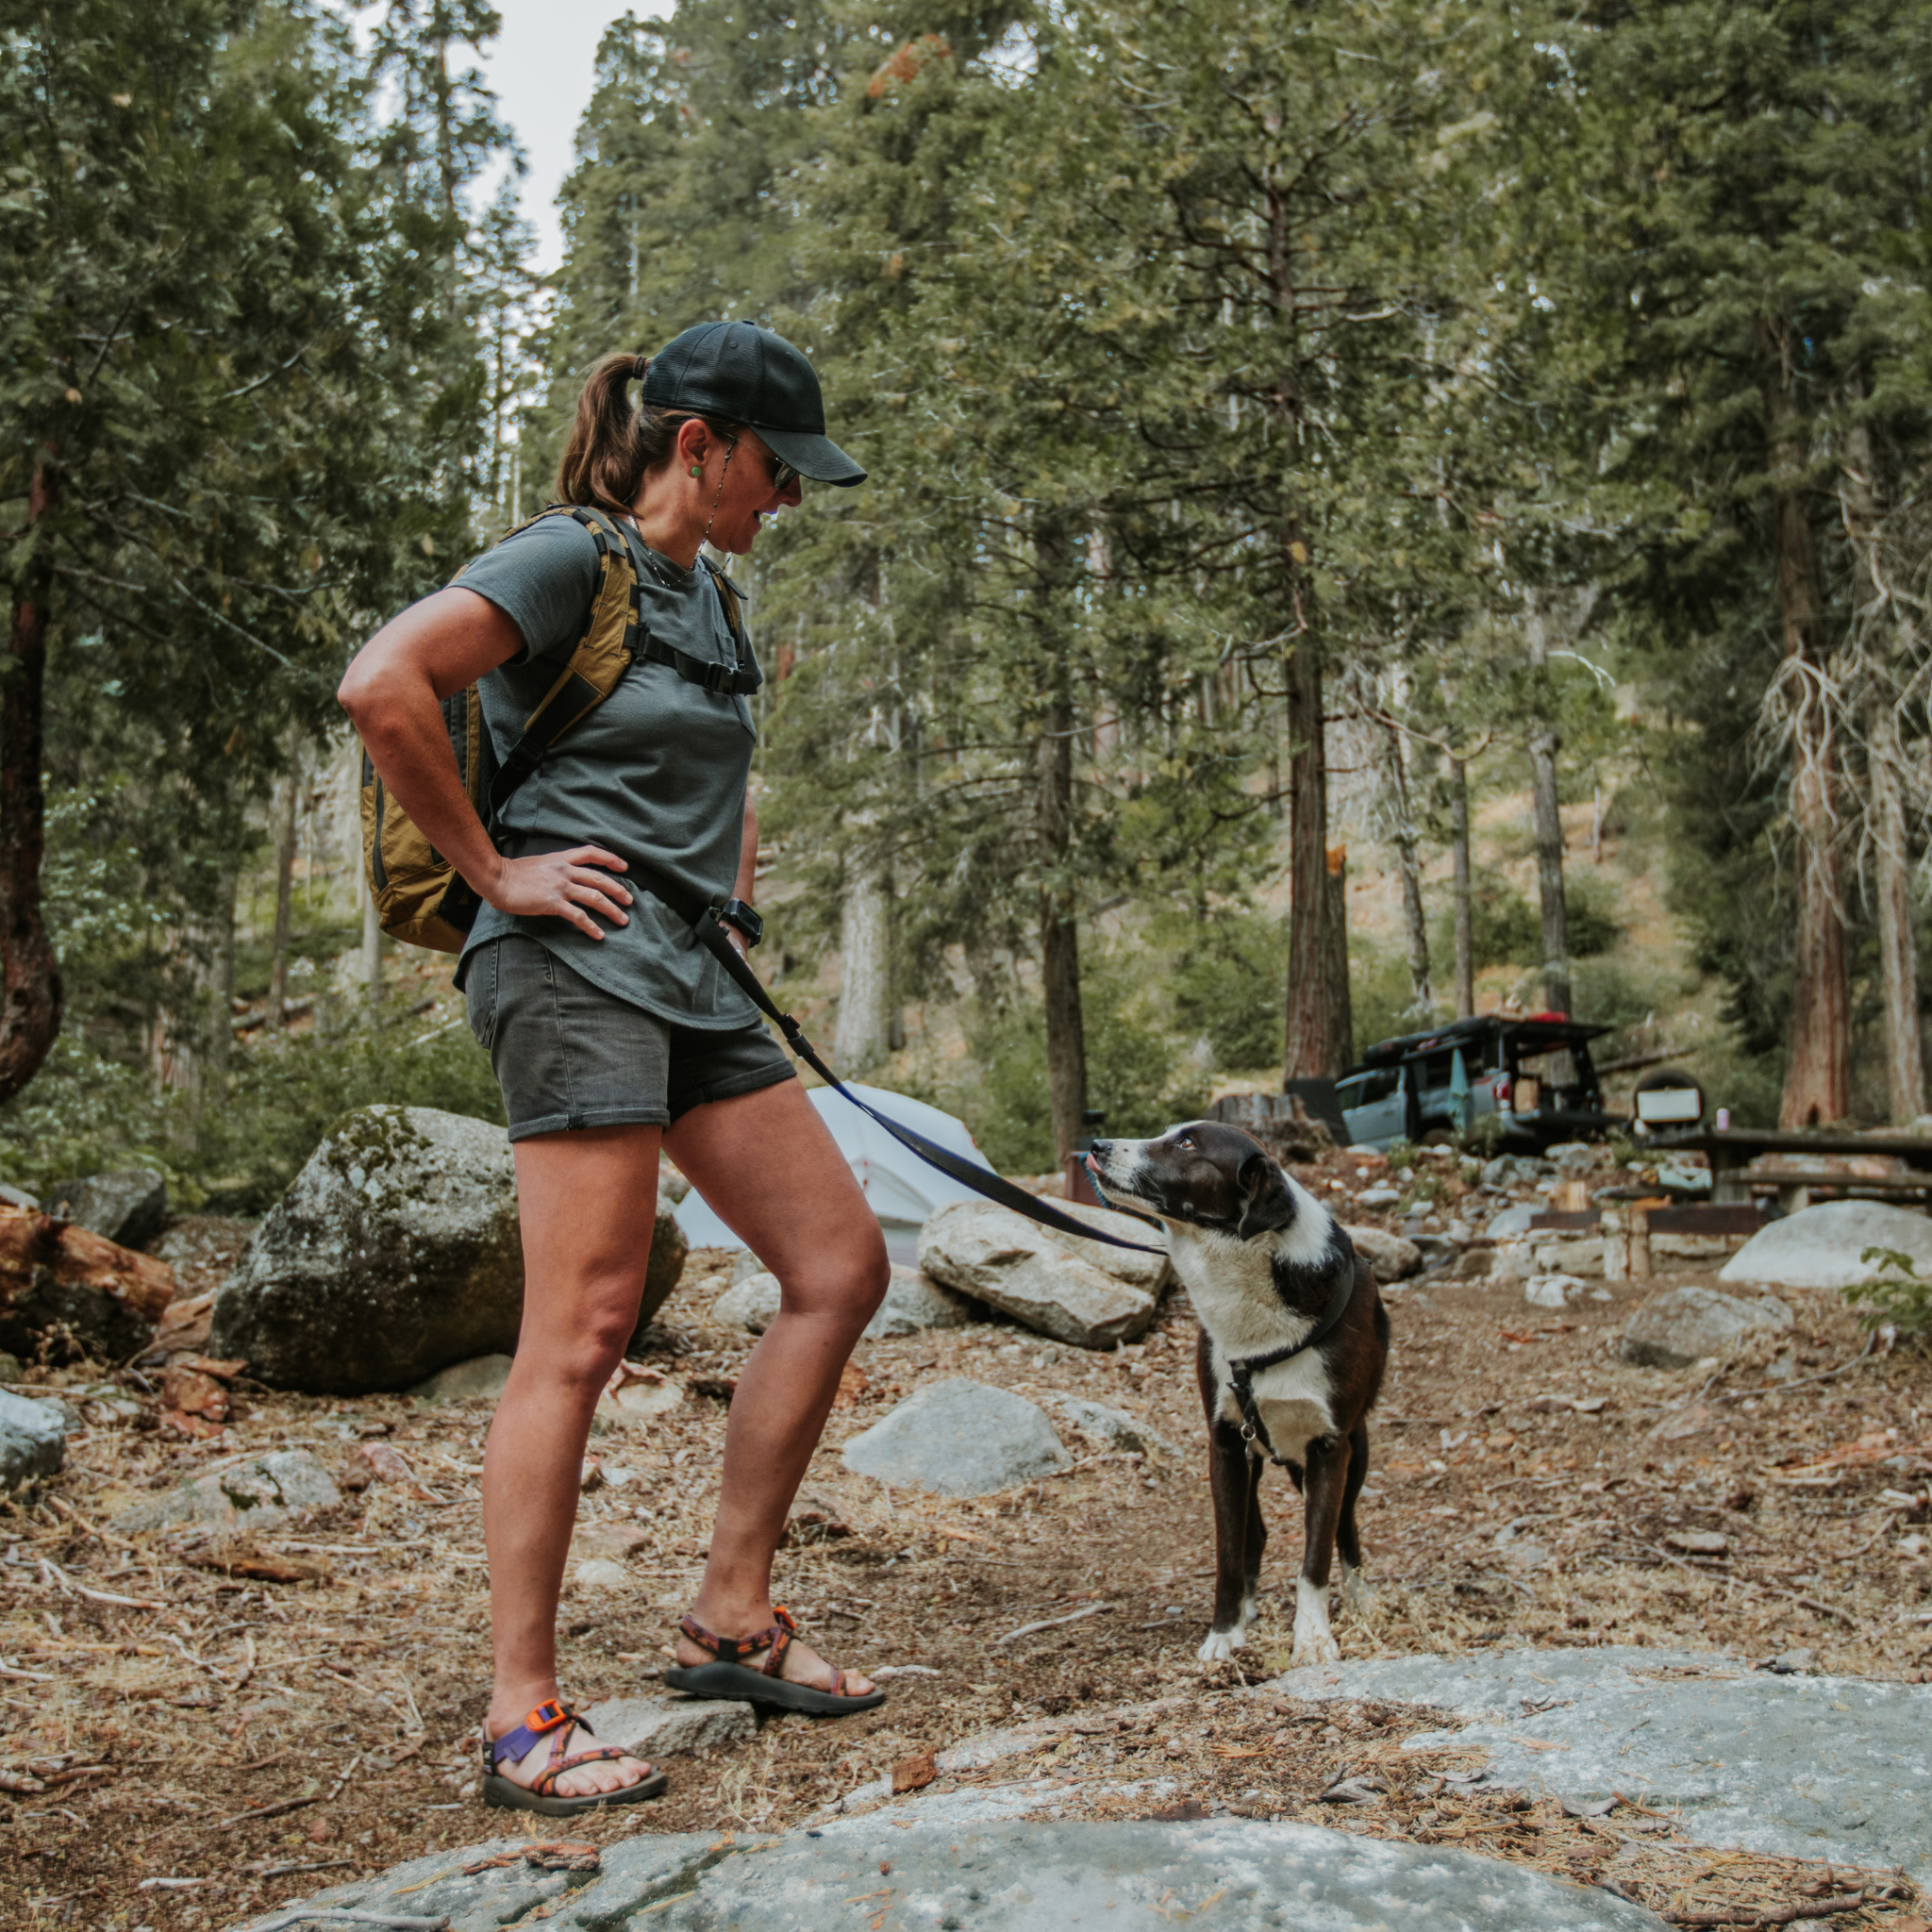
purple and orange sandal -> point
(729, 1676)
(540, 1794)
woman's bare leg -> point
(589, 1202)
(769, 1166)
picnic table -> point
(1734, 1179)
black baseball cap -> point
(747, 374)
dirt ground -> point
(185, 1741)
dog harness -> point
(1241, 1374)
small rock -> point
(1572, 1157)
(1801, 1662)
(1819, 1247)
(263, 1492)
(33, 1439)
(1378, 1197)
(750, 1304)
(618, 1540)
(18, 1197)
(1113, 1427)
(481, 1375)
(1552, 1290)
(670, 1248)
(998, 1257)
(1693, 1419)
(127, 1206)
(1393, 1257)
(1510, 1221)
(1698, 1543)
(744, 1264)
(914, 1301)
(600, 1573)
(670, 1727)
(636, 1394)
(958, 1439)
(1683, 1326)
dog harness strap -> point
(1241, 1374)
(711, 933)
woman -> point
(613, 1032)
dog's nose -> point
(1100, 1149)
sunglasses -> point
(781, 473)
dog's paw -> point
(1220, 1645)
(1317, 1647)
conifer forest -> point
(1336, 471)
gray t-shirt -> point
(656, 774)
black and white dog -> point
(1293, 1342)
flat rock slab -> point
(1220, 1875)
(1830, 1768)
(959, 1439)
(669, 1726)
(263, 1492)
(1819, 1247)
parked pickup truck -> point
(1532, 1073)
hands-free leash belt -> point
(712, 935)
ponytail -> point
(612, 447)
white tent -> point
(899, 1186)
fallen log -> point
(107, 1297)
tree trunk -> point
(1465, 932)
(1341, 1006)
(1059, 942)
(30, 975)
(859, 1040)
(1817, 1072)
(1544, 745)
(285, 897)
(1415, 929)
(1313, 993)
(1883, 621)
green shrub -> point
(241, 1142)
(1895, 1292)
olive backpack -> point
(419, 896)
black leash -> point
(713, 936)
(1241, 1374)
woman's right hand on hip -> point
(564, 885)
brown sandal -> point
(539, 1794)
(730, 1677)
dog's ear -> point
(1266, 1204)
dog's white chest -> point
(1294, 1401)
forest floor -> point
(185, 1742)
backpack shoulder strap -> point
(603, 653)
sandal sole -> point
(506, 1796)
(735, 1683)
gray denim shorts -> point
(568, 1053)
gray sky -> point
(540, 69)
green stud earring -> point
(697, 468)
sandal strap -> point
(548, 1716)
(546, 1779)
(735, 1650)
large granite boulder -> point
(33, 1439)
(1684, 1325)
(393, 1253)
(1820, 1247)
(127, 1206)
(958, 1439)
(1016, 1266)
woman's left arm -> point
(747, 866)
